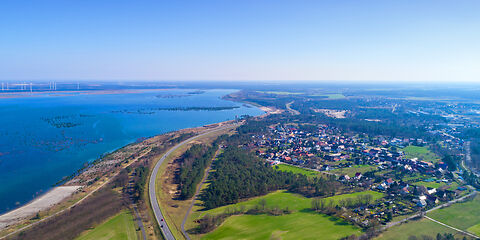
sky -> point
(227, 40)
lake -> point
(45, 137)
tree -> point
(316, 205)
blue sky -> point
(336, 40)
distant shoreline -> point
(6, 95)
(26, 210)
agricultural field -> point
(119, 227)
(475, 229)
(375, 195)
(418, 228)
(422, 153)
(298, 225)
(301, 223)
(293, 169)
(459, 215)
(350, 171)
(464, 216)
(414, 177)
(453, 185)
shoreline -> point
(25, 94)
(56, 194)
(59, 193)
(38, 204)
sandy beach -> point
(41, 203)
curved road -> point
(167, 233)
(290, 109)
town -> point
(410, 177)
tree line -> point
(240, 174)
(141, 176)
(192, 168)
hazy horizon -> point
(428, 41)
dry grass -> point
(69, 224)
(173, 208)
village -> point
(410, 177)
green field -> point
(415, 228)
(464, 216)
(459, 215)
(475, 229)
(293, 169)
(350, 171)
(298, 225)
(429, 184)
(452, 187)
(301, 224)
(413, 177)
(119, 227)
(375, 195)
(283, 199)
(422, 153)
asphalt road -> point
(167, 233)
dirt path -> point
(196, 195)
(456, 229)
(139, 222)
(167, 233)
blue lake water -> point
(46, 137)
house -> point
(358, 176)
(405, 190)
(389, 181)
(422, 203)
(432, 199)
(382, 186)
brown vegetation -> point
(98, 207)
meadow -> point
(293, 169)
(461, 215)
(464, 216)
(422, 153)
(453, 186)
(119, 227)
(301, 223)
(351, 171)
(418, 228)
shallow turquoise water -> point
(45, 137)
